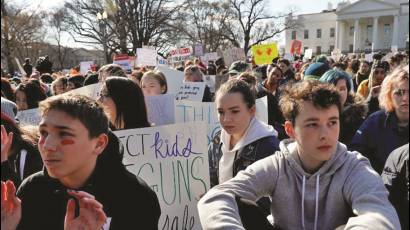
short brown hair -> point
(88, 111)
(111, 70)
(385, 98)
(321, 95)
(237, 86)
(157, 75)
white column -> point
(395, 40)
(375, 44)
(356, 41)
(342, 35)
(338, 35)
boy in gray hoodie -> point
(313, 181)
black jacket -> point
(10, 169)
(396, 179)
(127, 199)
(352, 117)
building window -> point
(387, 29)
(369, 33)
(351, 31)
(318, 50)
(319, 33)
(332, 32)
(331, 48)
(351, 48)
(294, 35)
(306, 34)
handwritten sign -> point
(173, 160)
(193, 111)
(264, 54)
(92, 91)
(174, 78)
(210, 82)
(199, 50)
(209, 57)
(193, 91)
(232, 55)
(308, 53)
(22, 71)
(85, 66)
(29, 117)
(146, 57)
(161, 109)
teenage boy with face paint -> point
(84, 184)
(313, 181)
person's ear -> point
(163, 88)
(253, 110)
(102, 142)
(289, 129)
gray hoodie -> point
(344, 191)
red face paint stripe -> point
(67, 142)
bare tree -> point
(205, 22)
(20, 31)
(255, 25)
(56, 22)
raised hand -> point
(6, 141)
(91, 216)
(10, 206)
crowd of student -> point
(333, 154)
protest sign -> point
(336, 54)
(264, 54)
(22, 71)
(92, 91)
(199, 50)
(209, 57)
(368, 57)
(296, 47)
(124, 61)
(289, 57)
(174, 78)
(85, 66)
(181, 52)
(193, 111)
(162, 62)
(233, 54)
(394, 49)
(210, 82)
(173, 160)
(161, 109)
(308, 53)
(192, 91)
(29, 117)
(146, 57)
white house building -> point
(359, 26)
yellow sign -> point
(264, 54)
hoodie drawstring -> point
(316, 201)
(303, 201)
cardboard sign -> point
(146, 57)
(192, 111)
(199, 50)
(296, 47)
(192, 91)
(233, 54)
(124, 61)
(29, 117)
(22, 71)
(210, 82)
(174, 78)
(85, 66)
(161, 109)
(308, 53)
(264, 54)
(173, 161)
(209, 57)
(92, 91)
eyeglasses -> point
(401, 92)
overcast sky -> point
(301, 7)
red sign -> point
(181, 52)
(296, 47)
(120, 57)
